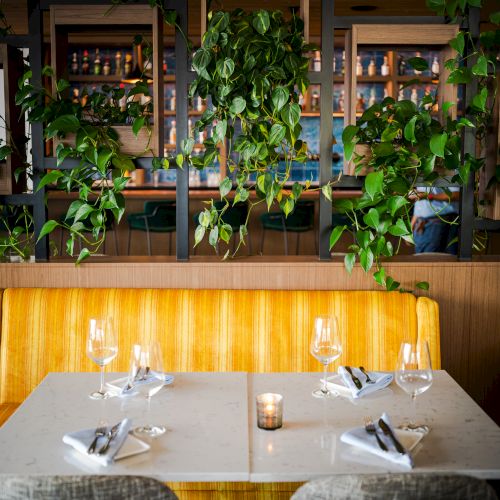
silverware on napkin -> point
(365, 373)
(371, 429)
(388, 432)
(99, 432)
(111, 434)
(355, 379)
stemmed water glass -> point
(102, 348)
(326, 347)
(414, 376)
(146, 375)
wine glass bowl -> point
(326, 347)
(102, 348)
(414, 375)
(146, 359)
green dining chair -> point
(158, 217)
(299, 221)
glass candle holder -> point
(269, 411)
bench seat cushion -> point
(44, 330)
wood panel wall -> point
(468, 294)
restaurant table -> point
(212, 433)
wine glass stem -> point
(325, 374)
(101, 390)
(148, 419)
(413, 418)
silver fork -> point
(99, 432)
(370, 428)
(365, 373)
(111, 434)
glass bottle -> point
(74, 64)
(384, 69)
(373, 97)
(343, 62)
(172, 100)
(372, 68)
(118, 64)
(172, 136)
(164, 66)
(401, 66)
(359, 66)
(360, 104)
(85, 63)
(97, 63)
(341, 101)
(128, 64)
(76, 96)
(123, 100)
(317, 61)
(414, 96)
(315, 100)
(401, 93)
(435, 67)
(416, 71)
(106, 69)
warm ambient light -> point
(137, 73)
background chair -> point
(158, 217)
(299, 221)
(396, 487)
(18, 487)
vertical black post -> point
(326, 124)
(181, 117)
(35, 26)
(466, 231)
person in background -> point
(433, 215)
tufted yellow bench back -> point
(44, 330)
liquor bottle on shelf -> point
(386, 93)
(106, 69)
(401, 66)
(164, 66)
(172, 101)
(118, 64)
(343, 62)
(435, 67)
(199, 104)
(148, 66)
(359, 66)
(172, 136)
(317, 61)
(401, 93)
(428, 92)
(97, 63)
(360, 103)
(122, 103)
(341, 101)
(315, 100)
(128, 64)
(384, 69)
(301, 101)
(372, 68)
(373, 97)
(416, 71)
(414, 96)
(190, 128)
(74, 64)
(85, 63)
(334, 64)
(75, 99)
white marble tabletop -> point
(205, 415)
(212, 435)
(463, 439)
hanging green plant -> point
(252, 66)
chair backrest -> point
(18, 487)
(165, 212)
(44, 329)
(302, 215)
(405, 486)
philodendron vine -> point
(85, 132)
(253, 67)
(407, 143)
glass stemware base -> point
(320, 393)
(99, 395)
(422, 428)
(151, 431)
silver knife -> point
(388, 432)
(355, 379)
(110, 435)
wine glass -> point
(326, 347)
(414, 376)
(102, 348)
(146, 375)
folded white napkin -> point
(360, 438)
(120, 387)
(380, 379)
(81, 440)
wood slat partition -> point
(468, 294)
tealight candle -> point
(269, 411)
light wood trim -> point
(405, 34)
(304, 14)
(158, 138)
(203, 19)
(84, 15)
(447, 92)
(348, 102)
(350, 68)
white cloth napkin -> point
(360, 438)
(381, 379)
(120, 386)
(81, 440)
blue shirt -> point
(432, 208)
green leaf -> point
(374, 184)
(120, 183)
(409, 131)
(103, 159)
(83, 212)
(49, 178)
(349, 133)
(423, 285)
(372, 218)
(438, 143)
(226, 232)
(220, 130)
(348, 150)
(418, 63)
(287, 205)
(495, 17)
(366, 259)
(379, 276)
(399, 228)
(84, 254)
(349, 261)
(458, 43)
(336, 234)
(481, 67)
(446, 106)
(395, 203)
(390, 284)
(47, 228)
(63, 124)
(261, 21)
(62, 85)
(225, 187)
(213, 236)
(479, 100)
(237, 106)
(187, 146)
(225, 67)
(179, 160)
(327, 191)
(277, 134)
(290, 114)
(279, 97)
(138, 124)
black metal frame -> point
(184, 76)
